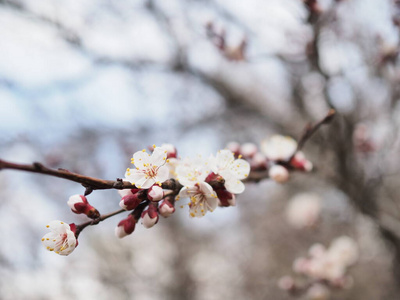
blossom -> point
(202, 198)
(192, 171)
(150, 169)
(125, 227)
(344, 250)
(61, 238)
(279, 147)
(303, 210)
(231, 169)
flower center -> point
(151, 171)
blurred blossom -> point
(303, 210)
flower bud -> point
(278, 173)
(234, 147)
(248, 150)
(150, 216)
(166, 208)
(126, 192)
(80, 205)
(171, 150)
(300, 162)
(130, 202)
(155, 193)
(125, 227)
(258, 162)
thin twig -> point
(311, 129)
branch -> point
(90, 183)
(311, 129)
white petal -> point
(205, 188)
(224, 158)
(240, 168)
(136, 177)
(234, 185)
(162, 174)
(141, 159)
(58, 226)
(145, 183)
(158, 157)
(212, 202)
(185, 192)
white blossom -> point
(303, 210)
(150, 169)
(344, 250)
(192, 171)
(202, 198)
(231, 169)
(61, 239)
(279, 147)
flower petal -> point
(162, 174)
(224, 158)
(234, 185)
(158, 157)
(240, 168)
(135, 177)
(141, 159)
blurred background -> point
(85, 84)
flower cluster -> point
(277, 155)
(324, 265)
(162, 179)
(159, 178)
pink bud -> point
(300, 162)
(150, 216)
(125, 227)
(130, 202)
(80, 205)
(166, 209)
(278, 173)
(258, 162)
(155, 193)
(248, 150)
